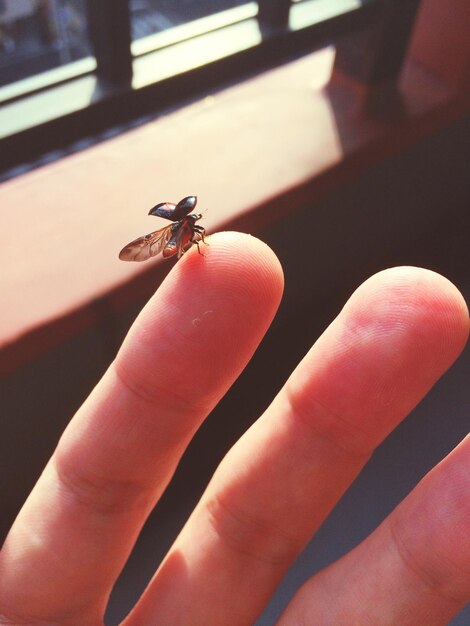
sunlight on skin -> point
(393, 339)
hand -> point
(396, 335)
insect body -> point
(173, 239)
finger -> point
(397, 334)
(414, 569)
(191, 341)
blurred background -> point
(83, 83)
(39, 35)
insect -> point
(173, 239)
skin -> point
(398, 333)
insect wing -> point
(184, 207)
(164, 209)
(145, 247)
(175, 212)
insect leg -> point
(197, 236)
(196, 241)
(200, 231)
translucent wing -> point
(145, 247)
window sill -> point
(253, 153)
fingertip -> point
(397, 334)
(235, 271)
(240, 255)
(212, 309)
(419, 297)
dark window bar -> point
(110, 34)
(273, 16)
(371, 43)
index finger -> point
(189, 344)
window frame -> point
(90, 97)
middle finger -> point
(393, 339)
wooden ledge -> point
(251, 153)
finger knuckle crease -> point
(342, 434)
(102, 495)
(154, 395)
(249, 535)
(428, 576)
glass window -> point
(154, 16)
(39, 35)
